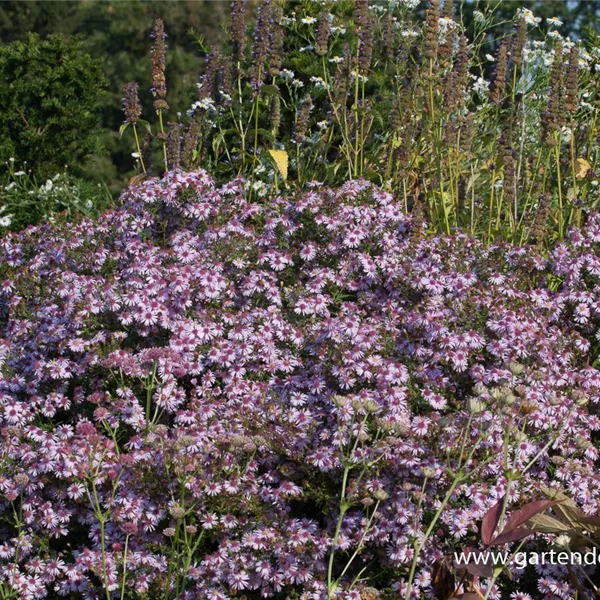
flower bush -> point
(24, 201)
(203, 396)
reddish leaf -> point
(490, 522)
(475, 562)
(526, 512)
(481, 570)
(511, 536)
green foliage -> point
(49, 97)
(116, 32)
(24, 201)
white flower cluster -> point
(526, 15)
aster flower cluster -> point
(203, 396)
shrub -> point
(49, 96)
(24, 201)
(204, 396)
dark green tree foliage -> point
(17, 18)
(50, 97)
(117, 32)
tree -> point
(50, 98)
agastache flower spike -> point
(572, 79)
(323, 30)
(276, 39)
(260, 48)
(131, 103)
(238, 32)
(432, 29)
(499, 82)
(158, 53)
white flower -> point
(407, 3)
(5, 221)
(297, 83)
(135, 155)
(287, 74)
(19, 173)
(554, 35)
(361, 78)
(478, 16)
(554, 21)
(340, 30)
(323, 124)
(10, 186)
(490, 57)
(336, 59)
(526, 15)
(481, 86)
(308, 20)
(11, 159)
(207, 104)
(446, 24)
(307, 48)
(566, 134)
(409, 33)
(319, 83)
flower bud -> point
(177, 512)
(380, 495)
(515, 368)
(428, 472)
(475, 406)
